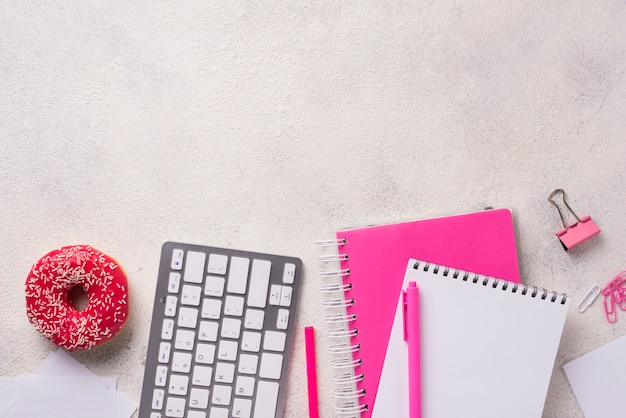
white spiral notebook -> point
(487, 346)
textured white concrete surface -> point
(267, 125)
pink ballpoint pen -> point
(412, 336)
(309, 340)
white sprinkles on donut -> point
(49, 306)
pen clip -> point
(404, 309)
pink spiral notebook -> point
(373, 274)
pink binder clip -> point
(581, 230)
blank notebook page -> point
(485, 351)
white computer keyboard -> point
(221, 333)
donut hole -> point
(79, 298)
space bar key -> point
(266, 399)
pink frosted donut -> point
(49, 306)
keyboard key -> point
(157, 399)
(275, 291)
(224, 372)
(168, 329)
(271, 366)
(205, 353)
(218, 413)
(214, 286)
(198, 398)
(208, 331)
(248, 364)
(202, 375)
(174, 283)
(191, 295)
(196, 414)
(251, 341)
(289, 273)
(161, 376)
(245, 386)
(231, 327)
(227, 350)
(217, 264)
(233, 306)
(184, 339)
(242, 408)
(266, 399)
(259, 282)
(282, 320)
(155, 415)
(212, 308)
(170, 305)
(238, 275)
(181, 362)
(274, 341)
(178, 385)
(254, 319)
(187, 317)
(175, 407)
(177, 259)
(221, 395)
(164, 352)
(194, 267)
(285, 296)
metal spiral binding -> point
(338, 303)
(336, 288)
(495, 282)
(346, 361)
(331, 242)
(347, 393)
(348, 378)
(340, 318)
(334, 273)
(342, 333)
(333, 257)
(350, 408)
(344, 348)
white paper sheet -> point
(61, 387)
(8, 396)
(65, 397)
(60, 363)
(597, 379)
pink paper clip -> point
(619, 289)
(577, 232)
(609, 306)
(614, 292)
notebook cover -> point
(481, 340)
(482, 241)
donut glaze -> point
(49, 306)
